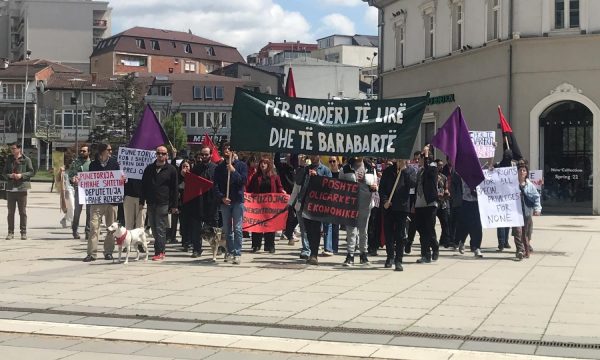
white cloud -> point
(342, 2)
(371, 17)
(247, 25)
(337, 24)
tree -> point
(175, 130)
(119, 117)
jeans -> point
(77, 215)
(158, 217)
(291, 223)
(233, 215)
(327, 238)
(313, 233)
(394, 223)
(502, 237)
(335, 237)
(305, 246)
(16, 199)
(358, 234)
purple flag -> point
(454, 140)
(149, 133)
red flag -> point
(207, 141)
(290, 88)
(195, 186)
(503, 123)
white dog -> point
(126, 238)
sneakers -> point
(227, 257)
(89, 258)
(63, 223)
(519, 256)
(158, 257)
(303, 256)
(195, 254)
(108, 257)
(364, 260)
(10, 236)
(407, 248)
(23, 236)
(423, 260)
(76, 235)
(461, 247)
(398, 267)
(349, 262)
(478, 253)
(326, 253)
(236, 260)
(312, 260)
(291, 242)
(435, 255)
(388, 263)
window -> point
(219, 93)
(457, 26)
(208, 93)
(154, 44)
(66, 97)
(566, 14)
(197, 91)
(429, 36)
(400, 45)
(68, 119)
(196, 120)
(140, 43)
(184, 117)
(493, 25)
(164, 90)
(209, 120)
(188, 48)
(189, 66)
(133, 61)
(193, 119)
(87, 98)
(210, 51)
(174, 44)
(12, 91)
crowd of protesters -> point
(398, 199)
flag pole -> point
(228, 175)
(506, 141)
(389, 201)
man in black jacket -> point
(103, 162)
(396, 207)
(159, 191)
(426, 207)
(204, 207)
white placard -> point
(484, 143)
(101, 187)
(537, 178)
(134, 161)
(499, 198)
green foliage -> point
(175, 130)
(120, 115)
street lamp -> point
(76, 85)
(371, 69)
(27, 57)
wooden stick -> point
(389, 201)
(506, 141)
(229, 174)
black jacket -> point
(401, 196)
(160, 188)
(205, 205)
(133, 188)
(429, 183)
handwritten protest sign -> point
(265, 212)
(484, 143)
(537, 178)
(101, 187)
(500, 198)
(331, 201)
(134, 161)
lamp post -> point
(76, 85)
(371, 69)
(27, 57)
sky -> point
(249, 24)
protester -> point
(360, 171)
(265, 180)
(396, 207)
(103, 162)
(530, 200)
(286, 172)
(159, 192)
(455, 188)
(502, 233)
(469, 222)
(426, 207)
(185, 211)
(67, 198)
(135, 213)
(334, 166)
(177, 158)
(443, 202)
(413, 165)
(230, 181)
(204, 207)
(82, 163)
(17, 173)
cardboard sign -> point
(264, 213)
(101, 187)
(499, 198)
(537, 178)
(331, 201)
(484, 143)
(134, 161)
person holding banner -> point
(360, 171)
(507, 161)
(265, 180)
(532, 206)
(426, 207)
(159, 192)
(104, 162)
(230, 182)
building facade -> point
(45, 26)
(156, 51)
(275, 53)
(255, 78)
(536, 59)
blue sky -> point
(249, 24)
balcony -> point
(100, 24)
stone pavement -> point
(455, 303)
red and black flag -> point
(508, 139)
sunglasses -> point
(161, 153)
(332, 161)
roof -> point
(126, 42)
(359, 40)
(64, 81)
(238, 64)
(17, 70)
(197, 77)
(291, 45)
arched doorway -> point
(566, 157)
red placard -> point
(265, 212)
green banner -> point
(381, 128)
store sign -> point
(443, 99)
(69, 134)
(197, 139)
(566, 173)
